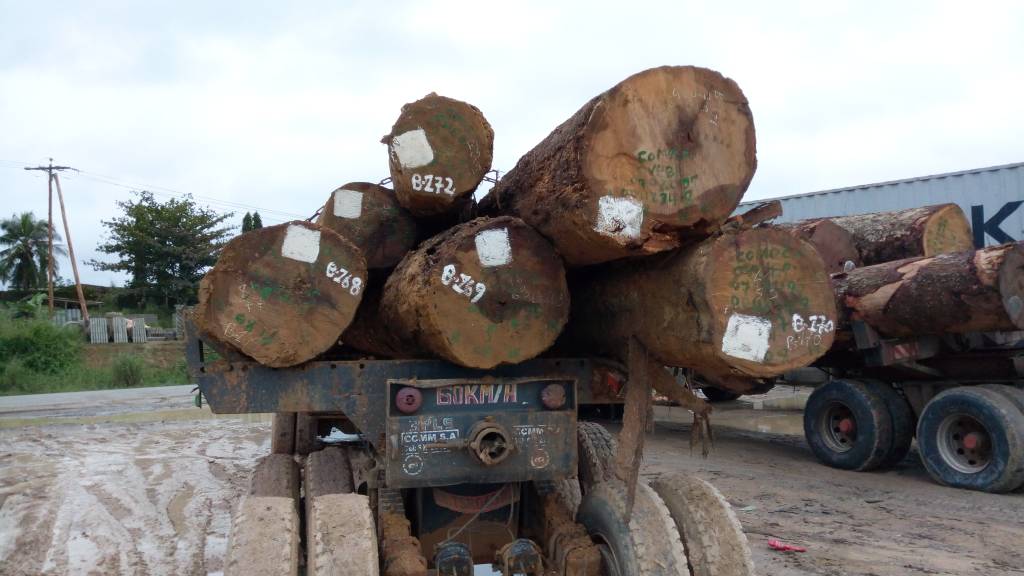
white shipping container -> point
(992, 198)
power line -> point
(274, 215)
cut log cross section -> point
(440, 150)
(662, 157)
(487, 292)
(282, 294)
(754, 303)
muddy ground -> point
(144, 484)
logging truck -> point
(929, 344)
(422, 467)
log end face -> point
(771, 302)
(669, 151)
(493, 292)
(439, 149)
(1011, 284)
(282, 294)
(369, 216)
(947, 230)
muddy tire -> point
(305, 433)
(973, 437)
(712, 535)
(647, 542)
(848, 426)
(596, 453)
(282, 433)
(902, 422)
(716, 395)
(341, 537)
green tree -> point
(257, 222)
(24, 257)
(165, 247)
(246, 223)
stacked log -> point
(659, 160)
(833, 242)
(754, 303)
(370, 216)
(887, 236)
(440, 149)
(973, 291)
(283, 294)
(487, 292)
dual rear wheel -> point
(968, 436)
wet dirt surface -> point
(116, 492)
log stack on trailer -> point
(611, 239)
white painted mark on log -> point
(493, 247)
(348, 203)
(747, 337)
(301, 243)
(619, 217)
(412, 149)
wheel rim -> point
(964, 443)
(838, 427)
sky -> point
(271, 105)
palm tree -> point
(24, 257)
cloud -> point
(272, 105)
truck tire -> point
(305, 433)
(713, 537)
(646, 542)
(282, 433)
(596, 453)
(716, 395)
(973, 437)
(1014, 394)
(848, 426)
(902, 422)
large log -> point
(833, 242)
(974, 291)
(925, 231)
(440, 150)
(487, 292)
(660, 159)
(370, 217)
(752, 303)
(282, 294)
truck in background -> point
(960, 396)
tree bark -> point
(975, 291)
(440, 150)
(282, 294)
(488, 292)
(752, 303)
(659, 160)
(925, 231)
(833, 242)
(370, 217)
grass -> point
(81, 377)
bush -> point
(14, 376)
(128, 371)
(39, 345)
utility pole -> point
(52, 171)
